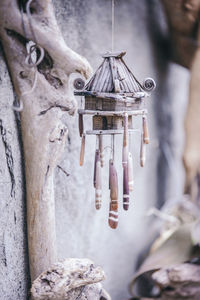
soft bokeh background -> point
(81, 231)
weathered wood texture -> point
(164, 273)
(183, 17)
(183, 20)
(42, 131)
(71, 279)
(192, 129)
(179, 282)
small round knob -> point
(79, 83)
(149, 84)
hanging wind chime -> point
(112, 97)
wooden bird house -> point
(112, 96)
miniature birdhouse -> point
(112, 96)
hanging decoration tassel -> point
(82, 153)
(98, 185)
(125, 164)
(97, 158)
(130, 172)
(101, 150)
(145, 130)
(142, 151)
(113, 213)
(80, 123)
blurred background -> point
(141, 31)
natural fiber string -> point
(113, 23)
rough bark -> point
(42, 131)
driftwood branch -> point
(183, 21)
(45, 92)
(177, 243)
(183, 18)
(179, 282)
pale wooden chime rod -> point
(144, 140)
(142, 151)
(145, 129)
(130, 172)
(98, 186)
(113, 213)
(97, 173)
(82, 153)
(113, 186)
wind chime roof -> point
(113, 76)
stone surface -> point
(14, 273)
(81, 231)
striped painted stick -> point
(145, 130)
(130, 172)
(142, 152)
(97, 158)
(98, 186)
(80, 123)
(113, 213)
(101, 150)
(82, 153)
(125, 188)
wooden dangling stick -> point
(97, 158)
(130, 172)
(82, 153)
(113, 213)
(145, 130)
(101, 150)
(98, 185)
(125, 188)
(142, 152)
(80, 123)
(125, 164)
(125, 141)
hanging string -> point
(113, 23)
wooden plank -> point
(112, 113)
(108, 132)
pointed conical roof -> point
(113, 76)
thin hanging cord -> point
(113, 23)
